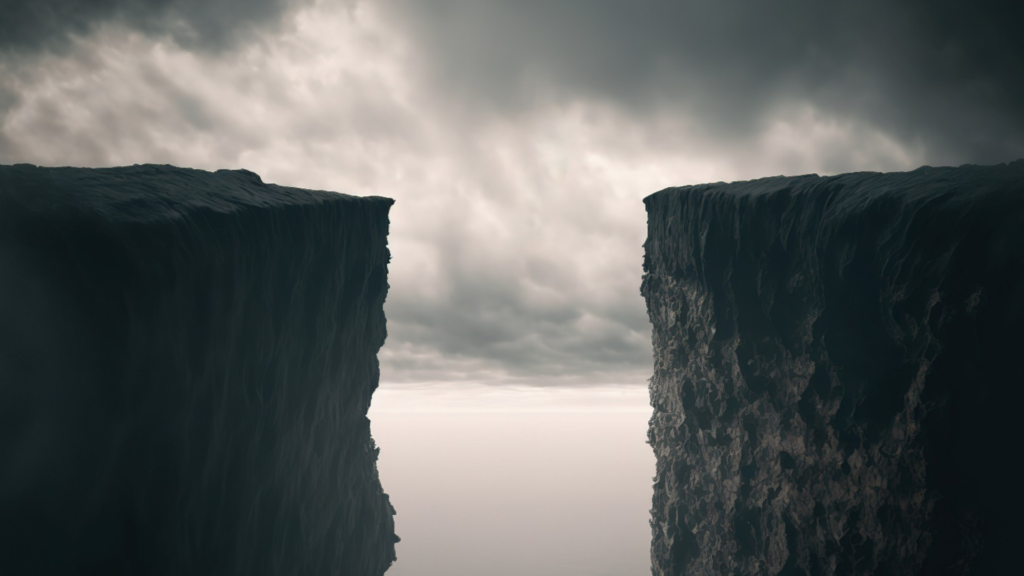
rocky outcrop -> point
(186, 363)
(837, 385)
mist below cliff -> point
(513, 480)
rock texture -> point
(837, 385)
(186, 363)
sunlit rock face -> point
(186, 362)
(837, 385)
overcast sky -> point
(518, 137)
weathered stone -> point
(186, 363)
(837, 385)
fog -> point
(509, 481)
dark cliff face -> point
(186, 362)
(837, 385)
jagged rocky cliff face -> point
(837, 385)
(186, 363)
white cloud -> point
(516, 239)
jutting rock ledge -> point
(838, 383)
(186, 363)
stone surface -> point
(186, 362)
(837, 385)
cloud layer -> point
(946, 74)
(518, 138)
(51, 25)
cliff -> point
(837, 385)
(186, 363)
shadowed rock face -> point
(837, 385)
(186, 362)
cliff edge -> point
(186, 363)
(837, 385)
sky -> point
(518, 137)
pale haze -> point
(508, 481)
(518, 140)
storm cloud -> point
(946, 74)
(34, 25)
(517, 137)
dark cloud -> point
(518, 137)
(945, 74)
(487, 318)
(34, 25)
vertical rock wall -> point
(186, 363)
(837, 385)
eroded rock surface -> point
(186, 363)
(837, 384)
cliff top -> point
(923, 181)
(151, 192)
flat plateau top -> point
(150, 192)
(923, 182)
